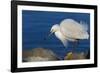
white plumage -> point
(71, 30)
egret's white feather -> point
(85, 26)
(65, 43)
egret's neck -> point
(59, 35)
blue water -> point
(36, 26)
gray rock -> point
(40, 54)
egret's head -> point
(54, 28)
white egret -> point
(70, 30)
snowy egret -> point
(70, 30)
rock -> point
(74, 56)
(39, 54)
(27, 53)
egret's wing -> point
(72, 29)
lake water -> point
(36, 26)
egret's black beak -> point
(48, 35)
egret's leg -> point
(75, 44)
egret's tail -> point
(84, 36)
